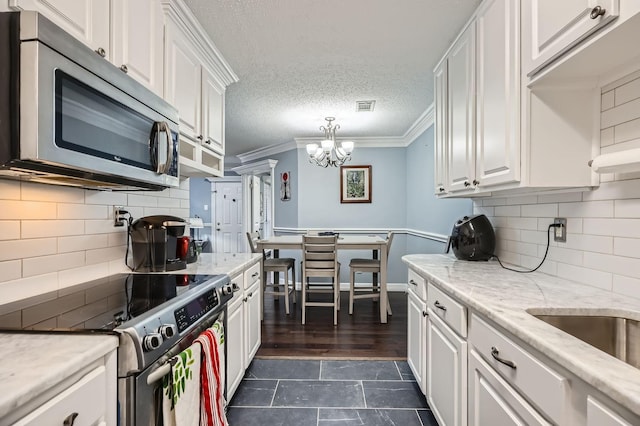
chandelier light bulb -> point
(347, 146)
(311, 149)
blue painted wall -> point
(286, 212)
(199, 196)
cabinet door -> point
(417, 338)
(440, 144)
(86, 20)
(446, 373)
(253, 302)
(235, 346)
(183, 80)
(137, 36)
(599, 414)
(553, 27)
(498, 93)
(493, 402)
(213, 112)
(460, 111)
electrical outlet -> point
(560, 232)
(118, 216)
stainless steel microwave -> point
(69, 117)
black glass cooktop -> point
(98, 305)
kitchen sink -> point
(617, 336)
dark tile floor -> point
(316, 392)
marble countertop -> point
(34, 363)
(220, 263)
(504, 297)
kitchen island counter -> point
(505, 297)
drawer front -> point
(447, 309)
(541, 385)
(418, 285)
(252, 275)
(87, 397)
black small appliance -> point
(472, 238)
(154, 241)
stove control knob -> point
(151, 341)
(227, 290)
(167, 331)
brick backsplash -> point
(603, 225)
(55, 236)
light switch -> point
(206, 207)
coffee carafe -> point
(153, 242)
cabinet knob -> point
(199, 137)
(70, 419)
(424, 313)
(124, 68)
(441, 189)
(466, 183)
(476, 182)
(597, 12)
(100, 51)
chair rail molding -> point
(413, 232)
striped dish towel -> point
(212, 376)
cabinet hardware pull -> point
(424, 313)
(476, 182)
(71, 418)
(466, 183)
(208, 141)
(495, 354)
(441, 189)
(245, 299)
(597, 11)
(100, 51)
(251, 294)
(124, 68)
(199, 137)
(235, 287)
(413, 282)
(439, 306)
(255, 274)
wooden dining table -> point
(346, 242)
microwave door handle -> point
(164, 128)
(154, 140)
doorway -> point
(228, 227)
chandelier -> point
(329, 153)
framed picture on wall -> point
(355, 184)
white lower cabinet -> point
(89, 399)
(417, 331)
(492, 401)
(252, 304)
(599, 414)
(446, 373)
(235, 337)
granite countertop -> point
(504, 297)
(220, 263)
(34, 363)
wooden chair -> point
(276, 265)
(320, 259)
(371, 266)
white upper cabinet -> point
(440, 90)
(196, 77)
(86, 20)
(137, 35)
(460, 111)
(553, 27)
(497, 142)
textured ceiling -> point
(299, 61)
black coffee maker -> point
(153, 242)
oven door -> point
(140, 401)
(72, 117)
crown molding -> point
(381, 142)
(423, 122)
(264, 166)
(266, 151)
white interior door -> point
(228, 232)
(256, 205)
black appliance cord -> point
(126, 253)
(553, 225)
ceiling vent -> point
(365, 106)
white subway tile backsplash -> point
(10, 270)
(627, 92)
(70, 277)
(629, 247)
(574, 225)
(620, 114)
(586, 209)
(106, 198)
(627, 208)
(142, 200)
(627, 266)
(83, 211)
(9, 229)
(562, 255)
(10, 190)
(104, 226)
(27, 287)
(51, 228)
(620, 190)
(493, 201)
(508, 234)
(45, 264)
(82, 242)
(584, 275)
(169, 203)
(507, 211)
(537, 210)
(21, 249)
(117, 238)
(22, 210)
(105, 255)
(594, 243)
(536, 237)
(613, 227)
(607, 136)
(185, 204)
(607, 100)
(519, 247)
(627, 131)
(487, 211)
(51, 193)
(626, 285)
(528, 223)
(562, 197)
